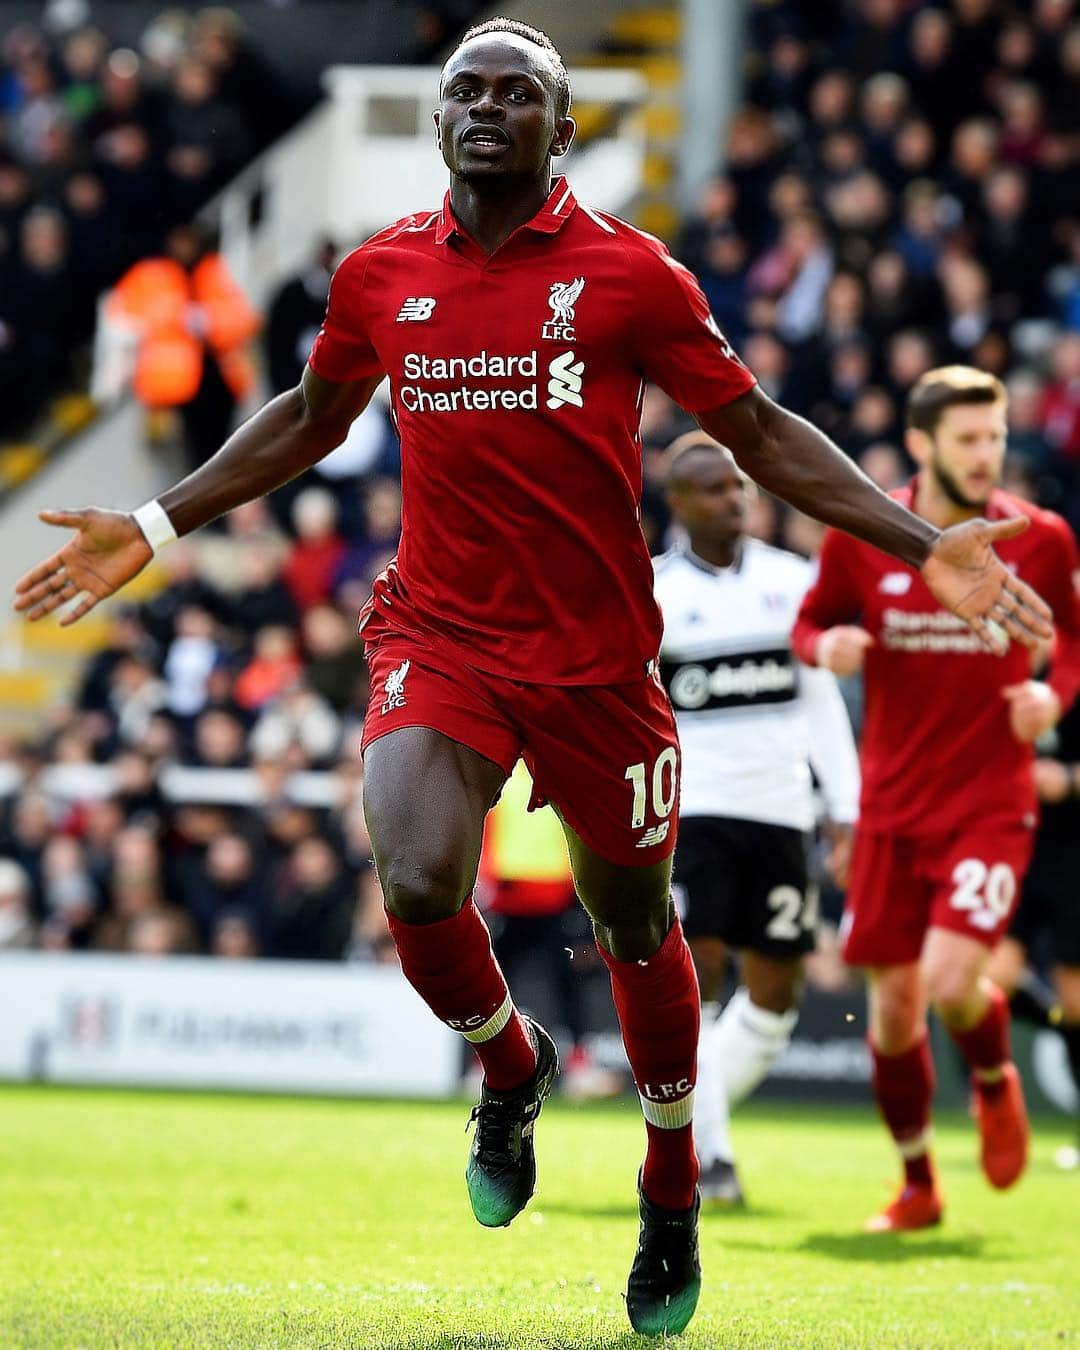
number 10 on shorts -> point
(665, 785)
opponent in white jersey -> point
(752, 720)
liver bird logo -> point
(562, 298)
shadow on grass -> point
(623, 1340)
(710, 1218)
(894, 1246)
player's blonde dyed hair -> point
(948, 387)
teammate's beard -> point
(951, 488)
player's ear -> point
(919, 445)
(565, 129)
(436, 118)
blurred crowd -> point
(902, 189)
(104, 148)
(247, 661)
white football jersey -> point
(751, 716)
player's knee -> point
(951, 988)
(896, 1016)
(423, 890)
(896, 1029)
(635, 936)
(776, 990)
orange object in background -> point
(524, 866)
(176, 313)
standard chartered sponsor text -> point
(927, 631)
(483, 365)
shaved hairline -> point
(557, 83)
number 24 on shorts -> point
(984, 893)
(664, 786)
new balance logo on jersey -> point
(564, 386)
(394, 688)
(895, 583)
(562, 298)
(416, 309)
(656, 835)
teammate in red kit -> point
(948, 807)
(517, 329)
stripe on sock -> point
(493, 1025)
(669, 1115)
(917, 1145)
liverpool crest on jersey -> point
(562, 298)
(394, 688)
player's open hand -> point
(1033, 709)
(107, 550)
(1053, 780)
(967, 577)
(842, 649)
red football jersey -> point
(936, 746)
(516, 381)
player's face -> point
(711, 500)
(967, 452)
(496, 118)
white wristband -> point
(153, 520)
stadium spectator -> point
(192, 323)
(273, 668)
(263, 599)
(318, 550)
(334, 662)
(1061, 399)
(230, 883)
(311, 907)
(295, 314)
(191, 657)
(17, 927)
(365, 558)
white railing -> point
(367, 156)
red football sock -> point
(451, 966)
(659, 1013)
(986, 1045)
(904, 1088)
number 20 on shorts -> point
(984, 893)
(665, 785)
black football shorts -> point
(746, 883)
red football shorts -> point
(605, 756)
(967, 882)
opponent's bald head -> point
(693, 456)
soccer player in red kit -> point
(517, 328)
(948, 809)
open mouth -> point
(486, 137)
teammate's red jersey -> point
(516, 381)
(936, 745)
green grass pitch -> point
(147, 1219)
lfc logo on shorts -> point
(394, 688)
(562, 297)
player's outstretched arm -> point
(288, 435)
(792, 459)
